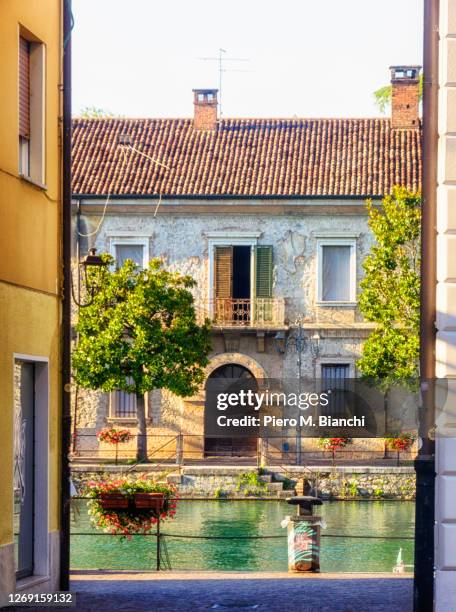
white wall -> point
(446, 311)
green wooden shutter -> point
(263, 271)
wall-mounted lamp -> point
(87, 273)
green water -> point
(253, 518)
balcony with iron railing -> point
(256, 313)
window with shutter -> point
(223, 272)
(335, 377)
(123, 405)
(264, 271)
(31, 110)
(223, 283)
(263, 284)
(24, 88)
(24, 106)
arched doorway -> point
(229, 378)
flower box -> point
(113, 501)
(127, 505)
(149, 501)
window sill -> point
(32, 181)
(333, 304)
(126, 420)
(31, 581)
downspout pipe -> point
(423, 589)
(66, 306)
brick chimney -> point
(405, 97)
(205, 113)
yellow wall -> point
(30, 238)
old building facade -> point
(268, 216)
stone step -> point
(265, 477)
(275, 486)
(285, 494)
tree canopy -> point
(390, 289)
(141, 333)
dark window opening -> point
(241, 272)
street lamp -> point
(86, 268)
(298, 341)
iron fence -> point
(183, 449)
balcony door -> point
(243, 284)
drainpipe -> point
(66, 306)
(423, 590)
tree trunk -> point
(141, 447)
(385, 433)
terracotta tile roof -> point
(245, 157)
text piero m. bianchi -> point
(254, 401)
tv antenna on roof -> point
(221, 59)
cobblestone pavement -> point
(235, 591)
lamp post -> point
(86, 269)
(300, 342)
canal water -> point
(385, 519)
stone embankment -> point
(241, 482)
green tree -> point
(383, 96)
(141, 333)
(93, 112)
(390, 289)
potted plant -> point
(128, 505)
(400, 443)
(111, 435)
(333, 444)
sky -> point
(306, 58)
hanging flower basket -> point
(111, 435)
(126, 505)
(333, 444)
(401, 443)
(111, 501)
(151, 501)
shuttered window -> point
(223, 272)
(24, 88)
(264, 271)
(124, 405)
(335, 377)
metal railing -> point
(231, 312)
(183, 449)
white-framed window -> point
(136, 249)
(122, 406)
(336, 271)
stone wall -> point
(366, 483)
